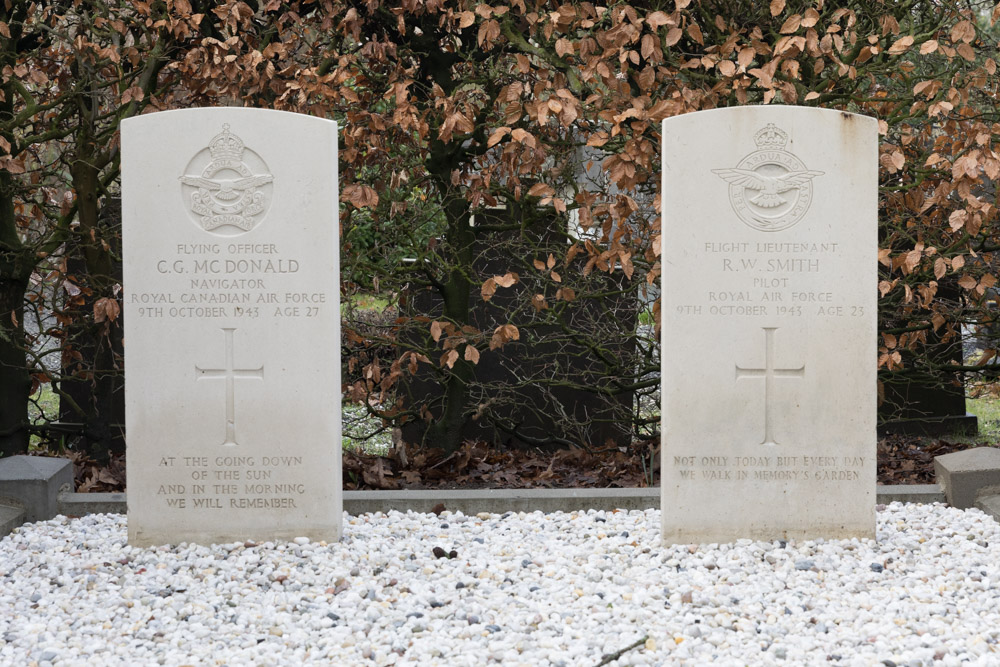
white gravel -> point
(524, 589)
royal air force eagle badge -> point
(770, 189)
(229, 191)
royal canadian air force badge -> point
(232, 189)
(770, 189)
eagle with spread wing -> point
(227, 189)
(770, 186)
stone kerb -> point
(469, 502)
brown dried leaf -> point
(488, 289)
(488, 32)
(564, 47)
(901, 45)
(694, 32)
(506, 280)
(541, 190)
(106, 309)
(963, 31)
(746, 56)
(957, 220)
(437, 328)
(497, 135)
(566, 294)
(449, 358)
(360, 196)
(656, 19)
(471, 354)
(940, 267)
(791, 24)
(465, 19)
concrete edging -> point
(11, 516)
(498, 501)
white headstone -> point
(232, 326)
(769, 257)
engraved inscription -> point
(769, 373)
(232, 482)
(821, 469)
(770, 189)
(772, 279)
(230, 375)
(227, 187)
(211, 285)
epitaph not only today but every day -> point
(769, 253)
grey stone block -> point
(35, 482)
(990, 504)
(964, 474)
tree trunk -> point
(447, 431)
(15, 380)
(99, 392)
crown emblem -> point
(770, 189)
(232, 189)
(770, 138)
(226, 146)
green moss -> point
(987, 408)
(43, 407)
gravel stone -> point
(586, 591)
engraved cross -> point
(230, 375)
(769, 373)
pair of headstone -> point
(232, 310)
